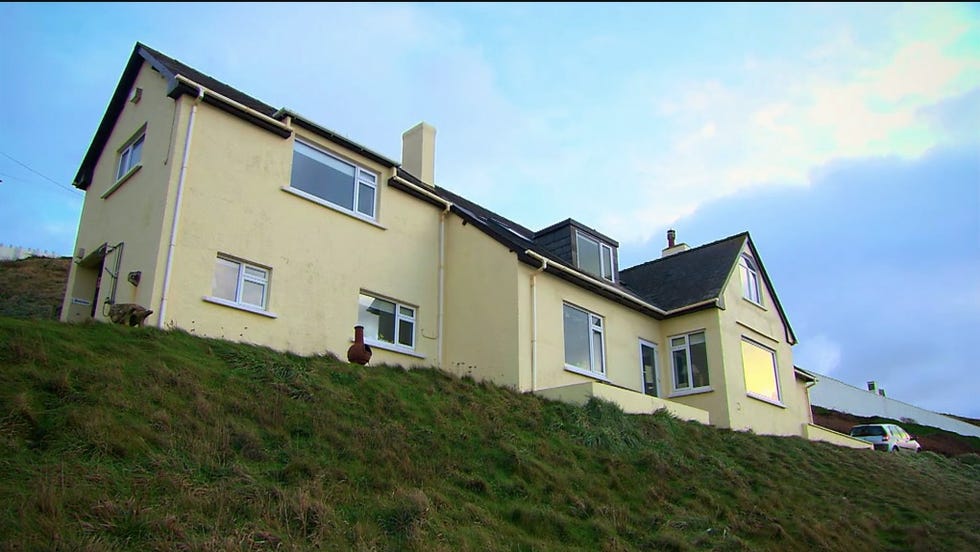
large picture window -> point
(584, 341)
(386, 321)
(689, 357)
(326, 178)
(761, 376)
(240, 284)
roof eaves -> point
(83, 178)
(790, 335)
(334, 137)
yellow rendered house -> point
(230, 218)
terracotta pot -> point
(359, 352)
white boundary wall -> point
(837, 395)
(15, 253)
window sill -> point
(133, 170)
(332, 207)
(384, 346)
(586, 373)
(246, 308)
(757, 305)
(685, 392)
(766, 400)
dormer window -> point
(750, 279)
(594, 256)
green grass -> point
(120, 438)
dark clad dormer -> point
(582, 247)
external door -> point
(648, 368)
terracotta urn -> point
(359, 352)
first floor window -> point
(130, 156)
(386, 321)
(594, 257)
(330, 179)
(750, 279)
(584, 340)
(759, 364)
(689, 357)
(240, 283)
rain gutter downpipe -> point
(442, 256)
(162, 317)
(534, 324)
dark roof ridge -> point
(744, 233)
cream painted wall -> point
(134, 213)
(320, 258)
(623, 328)
(482, 306)
(762, 324)
(713, 401)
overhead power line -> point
(42, 175)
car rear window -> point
(867, 431)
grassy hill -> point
(118, 438)
(33, 287)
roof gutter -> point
(237, 105)
(639, 302)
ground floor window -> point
(689, 356)
(386, 321)
(648, 368)
(584, 341)
(240, 283)
(761, 376)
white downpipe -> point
(534, 324)
(162, 317)
(442, 256)
(617, 291)
(442, 278)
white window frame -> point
(749, 271)
(686, 347)
(244, 276)
(775, 370)
(596, 326)
(400, 317)
(604, 250)
(126, 165)
(656, 368)
(362, 176)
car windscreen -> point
(867, 431)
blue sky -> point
(843, 137)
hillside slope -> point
(33, 287)
(138, 439)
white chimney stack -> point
(419, 152)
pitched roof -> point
(685, 278)
(169, 68)
(696, 275)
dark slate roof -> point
(170, 67)
(685, 278)
(699, 274)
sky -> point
(844, 137)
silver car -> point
(886, 437)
